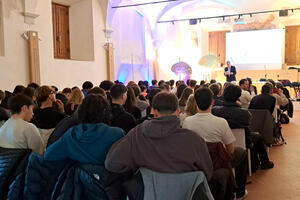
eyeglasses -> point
(52, 92)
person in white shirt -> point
(246, 97)
(17, 132)
(215, 129)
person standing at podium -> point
(230, 72)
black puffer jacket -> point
(13, 163)
(89, 182)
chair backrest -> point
(240, 137)
(181, 186)
(45, 134)
(263, 122)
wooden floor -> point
(283, 181)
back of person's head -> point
(161, 82)
(272, 82)
(267, 88)
(152, 93)
(146, 84)
(140, 82)
(87, 85)
(33, 85)
(242, 81)
(106, 85)
(143, 88)
(232, 93)
(76, 97)
(131, 99)
(131, 83)
(279, 85)
(54, 88)
(165, 87)
(185, 95)
(66, 90)
(191, 107)
(16, 102)
(117, 91)
(165, 103)
(204, 98)
(94, 109)
(178, 83)
(75, 87)
(30, 92)
(18, 89)
(97, 90)
(172, 82)
(202, 82)
(212, 81)
(2, 95)
(43, 92)
(180, 90)
(226, 84)
(215, 88)
(193, 83)
(249, 80)
(197, 87)
(62, 97)
(154, 82)
(137, 91)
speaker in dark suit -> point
(230, 72)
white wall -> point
(81, 33)
(1, 31)
(62, 73)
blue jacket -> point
(85, 143)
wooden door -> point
(217, 45)
(292, 45)
(61, 33)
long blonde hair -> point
(191, 107)
(76, 97)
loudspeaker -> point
(193, 21)
(283, 13)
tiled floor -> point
(283, 181)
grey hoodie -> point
(162, 146)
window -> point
(61, 32)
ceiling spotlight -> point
(193, 21)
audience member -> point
(33, 85)
(46, 117)
(2, 96)
(17, 132)
(190, 109)
(140, 104)
(54, 88)
(212, 81)
(180, 90)
(75, 100)
(251, 87)
(172, 82)
(86, 86)
(202, 83)
(161, 83)
(154, 84)
(67, 92)
(89, 141)
(120, 118)
(143, 91)
(184, 97)
(130, 104)
(215, 129)
(240, 118)
(18, 89)
(216, 90)
(265, 100)
(160, 144)
(281, 99)
(97, 90)
(192, 84)
(245, 97)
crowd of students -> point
(167, 127)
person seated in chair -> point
(89, 141)
(160, 144)
(215, 129)
(46, 117)
(238, 117)
(17, 132)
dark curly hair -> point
(94, 109)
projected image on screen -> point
(255, 50)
